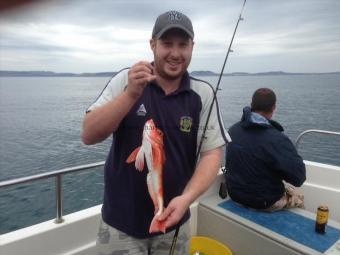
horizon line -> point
(195, 71)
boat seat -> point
(283, 232)
(289, 224)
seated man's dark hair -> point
(263, 100)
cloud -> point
(85, 36)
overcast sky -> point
(102, 35)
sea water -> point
(41, 121)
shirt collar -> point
(184, 85)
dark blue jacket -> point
(259, 157)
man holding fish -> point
(156, 113)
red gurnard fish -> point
(152, 151)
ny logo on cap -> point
(174, 16)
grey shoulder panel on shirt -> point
(101, 93)
(205, 90)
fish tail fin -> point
(138, 156)
(157, 225)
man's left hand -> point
(175, 211)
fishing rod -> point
(174, 240)
(219, 81)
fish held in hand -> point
(152, 150)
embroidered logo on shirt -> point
(185, 124)
(141, 110)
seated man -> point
(260, 157)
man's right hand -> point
(102, 121)
(139, 76)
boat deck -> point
(285, 232)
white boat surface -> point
(76, 234)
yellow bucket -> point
(206, 246)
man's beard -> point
(167, 76)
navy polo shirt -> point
(181, 116)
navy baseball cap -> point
(172, 19)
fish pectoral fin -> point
(138, 156)
(133, 155)
(139, 164)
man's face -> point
(172, 54)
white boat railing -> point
(58, 183)
(59, 173)
(325, 132)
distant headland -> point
(109, 74)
